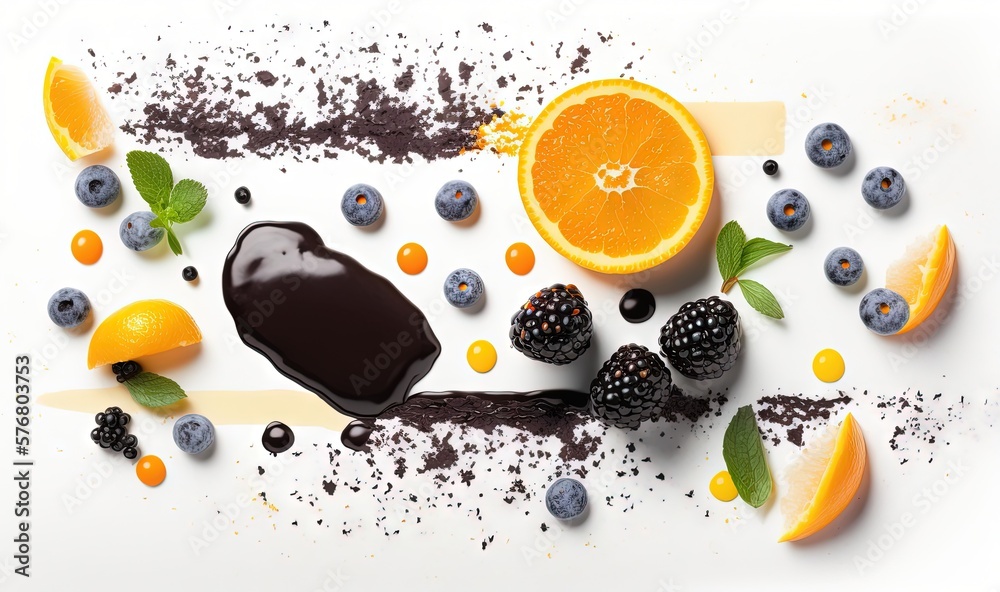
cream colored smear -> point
(295, 408)
(742, 129)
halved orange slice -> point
(922, 275)
(76, 118)
(139, 329)
(824, 479)
(616, 175)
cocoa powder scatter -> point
(919, 423)
(475, 454)
(388, 101)
(785, 417)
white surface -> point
(839, 62)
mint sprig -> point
(746, 459)
(171, 203)
(735, 255)
(152, 390)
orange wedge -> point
(823, 480)
(922, 276)
(76, 118)
(140, 329)
(615, 175)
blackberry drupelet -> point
(702, 340)
(553, 326)
(631, 387)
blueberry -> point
(69, 307)
(242, 195)
(136, 232)
(788, 210)
(884, 311)
(883, 187)
(97, 186)
(456, 200)
(843, 266)
(566, 498)
(189, 273)
(193, 433)
(463, 288)
(362, 205)
(828, 145)
(770, 168)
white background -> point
(854, 63)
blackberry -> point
(702, 340)
(125, 371)
(112, 431)
(631, 387)
(553, 326)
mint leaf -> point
(157, 222)
(175, 245)
(729, 249)
(746, 459)
(186, 200)
(153, 390)
(151, 176)
(761, 299)
(756, 249)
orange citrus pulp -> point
(922, 276)
(141, 329)
(824, 480)
(616, 175)
(76, 118)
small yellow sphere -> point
(722, 487)
(828, 365)
(482, 356)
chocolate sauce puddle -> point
(324, 320)
(347, 334)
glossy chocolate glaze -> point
(553, 399)
(324, 320)
(355, 435)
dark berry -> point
(553, 326)
(125, 371)
(770, 167)
(362, 205)
(883, 187)
(95, 434)
(130, 452)
(189, 273)
(456, 200)
(99, 418)
(631, 387)
(123, 419)
(118, 446)
(884, 312)
(788, 210)
(243, 195)
(277, 437)
(843, 266)
(566, 499)
(702, 340)
(637, 305)
(111, 420)
(130, 441)
(69, 308)
(827, 145)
